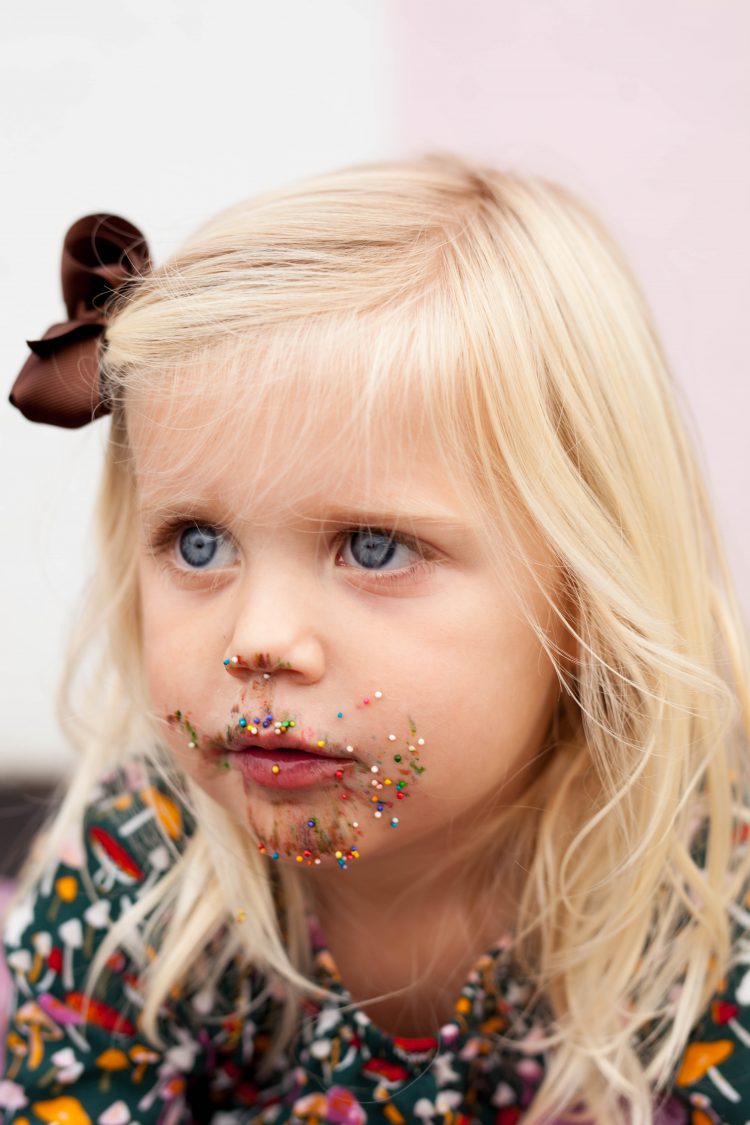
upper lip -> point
(244, 740)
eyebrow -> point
(386, 517)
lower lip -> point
(296, 770)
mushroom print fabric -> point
(73, 1064)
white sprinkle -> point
(191, 746)
(420, 742)
(253, 730)
(391, 738)
(378, 815)
(355, 824)
(395, 820)
(317, 861)
(266, 675)
(350, 749)
(378, 695)
(235, 660)
(373, 769)
(374, 781)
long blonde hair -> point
(496, 308)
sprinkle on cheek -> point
(311, 843)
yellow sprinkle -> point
(387, 781)
(299, 859)
(321, 743)
(292, 723)
(339, 854)
(355, 854)
(240, 915)
(275, 769)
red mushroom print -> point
(723, 1012)
(388, 1075)
(117, 864)
(100, 1014)
(54, 968)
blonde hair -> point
(494, 310)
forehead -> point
(289, 444)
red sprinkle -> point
(339, 774)
(343, 796)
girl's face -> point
(389, 689)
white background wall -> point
(166, 112)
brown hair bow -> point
(60, 381)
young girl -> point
(413, 778)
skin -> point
(443, 640)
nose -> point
(277, 627)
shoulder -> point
(131, 832)
(78, 1057)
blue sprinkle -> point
(256, 720)
(311, 824)
(275, 855)
(266, 722)
(226, 662)
(243, 722)
(379, 808)
(340, 715)
(269, 716)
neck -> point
(396, 930)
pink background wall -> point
(644, 108)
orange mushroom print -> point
(62, 1111)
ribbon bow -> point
(60, 382)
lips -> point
(283, 760)
(285, 743)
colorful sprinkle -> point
(275, 769)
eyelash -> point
(165, 537)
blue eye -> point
(372, 549)
(198, 545)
